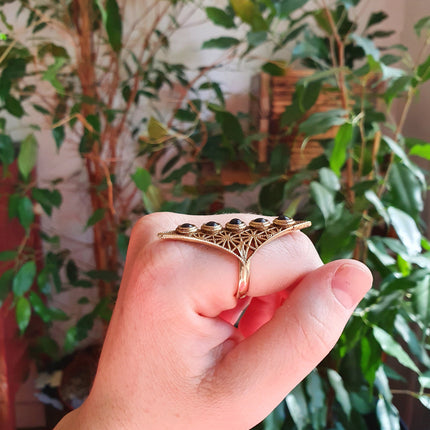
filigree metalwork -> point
(238, 239)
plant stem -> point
(340, 62)
(105, 243)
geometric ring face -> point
(237, 238)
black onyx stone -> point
(212, 224)
(236, 221)
(283, 218)
(187, 225)
(260, 220)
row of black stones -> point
(235, 224)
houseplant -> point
(101, 84)
(364, 196)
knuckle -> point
(313, 343)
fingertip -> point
(350, 282)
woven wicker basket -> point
(270, 95)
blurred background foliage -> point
(364, 191)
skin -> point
(172, 358)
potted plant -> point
(364, 195)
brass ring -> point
(238, 239)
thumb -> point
(301, 333)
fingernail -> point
(348, 284)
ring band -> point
(238, 239)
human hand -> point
(172, 357)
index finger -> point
(207, 278)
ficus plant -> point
(92, 73)
(364, 196)
(102, 87)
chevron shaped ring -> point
(237, 238)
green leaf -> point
(317, 400)
(376, 18)
(216, 88)
(249, 13)
(380, 252)
(422, 151)
(52, 50)
(396, 87)
(320, 122)
(152, 199)
(104, 275)
(370, 358)
(279, 159)
(52, 72)
(47, 198)
(256, 38)
(272, 196)
(276, 419)
(8, 255)
(273, 68)
(387, 415)
(398, 150)
(13, 204)
(307, 93)
(22, 313)
(39, 307)
(328, 179)
(58, 133)
(379, 206)
(57, 314)
(7, 152)
(341, 394)
(15, 69)
(156, 130)
(27, 156)
(367, 45)
(24, 279)
(421, 300)
(292, 34)
(70, 340)
(25, 212)
(114, 25)
(96, 217)
(425, 400)
(424, 379)
(406, 229)
(285, 7)
(391, 347)
(405, 191)
(409, 336)
(422, 24)
(122, 243)
(223, 42)
(341, 142)
(13, 106)
(231, 128)
(6, 281)
(423, 71)
(142, 178)
(72, 271)
(47, 346)
(324, 199)
(220, 17)
(298, 408)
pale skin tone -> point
(173, 359)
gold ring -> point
(238, 239)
